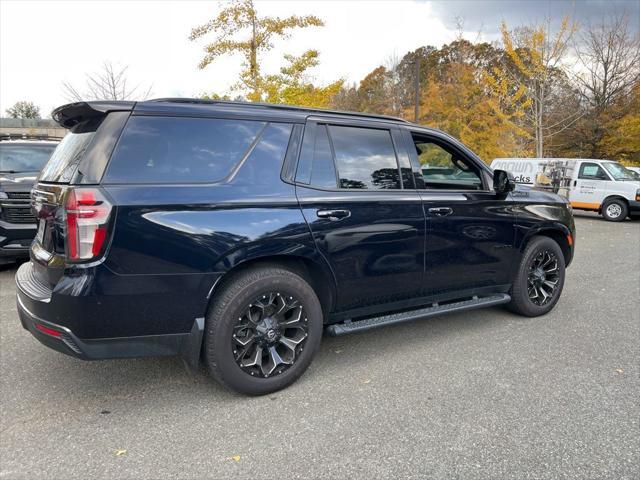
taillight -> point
(87, 217)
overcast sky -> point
(43, 43)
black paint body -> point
(171, 244)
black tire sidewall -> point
(218, 347)
(521, 303)
(623, 206)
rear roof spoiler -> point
(72, 114)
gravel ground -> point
(484, 394)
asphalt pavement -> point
(483, 394)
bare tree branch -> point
(609, 54)
(111, 83)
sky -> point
(46, 43)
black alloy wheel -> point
(539, 280)
(543, 277)
(270, 335)
(262, 330)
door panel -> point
(377, 250)
(590, 186)
(470, 239)
(470, 230)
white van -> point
(603, 186)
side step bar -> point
(349, 326)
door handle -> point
(441, 211)
(333, 215)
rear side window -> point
(180, 150)
(365, 158)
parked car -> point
(236, 232)
(20, 162)
(635, 172)
(602, 186)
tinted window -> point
(403, 160)
(323, 172)
(264, 164)
(179, 150)
(64, 161)
(445, 169)
(365, 158)
(25, 157)
(592, 171)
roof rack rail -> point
(276, 106)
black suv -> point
(20, 163)
(237, 232)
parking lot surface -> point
(483, 394)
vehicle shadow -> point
(167, 379)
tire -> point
(258, 308)
(615, 210)
(529, 276)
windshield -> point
(17, 158)
(617, 171)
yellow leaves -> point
(235, 458)
(120, 452)
(522, 90)
(239, 29)
(475, 106)
(291, 87)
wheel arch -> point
(314, 270)
(558, 234)
(613, 197)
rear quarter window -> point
(64, 161)
(180, 150)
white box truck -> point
(603, 186)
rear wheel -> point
(615, 210)
(262, 331)
(540, 278)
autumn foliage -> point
(522, 97)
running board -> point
(349, 326)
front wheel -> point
(539, 280)
(615, 210)
(262, 330)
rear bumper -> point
(57, 317)
(63, 340)
(15, 240)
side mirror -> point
(503, 181)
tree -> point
(462, 107)
(536, 57)
(111, 83)
(239, 29)
(609, 55)
(621, 140)
(293, 87)
(373, 91)
(23, 110)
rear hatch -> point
(70, 208)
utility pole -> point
(416, 81)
